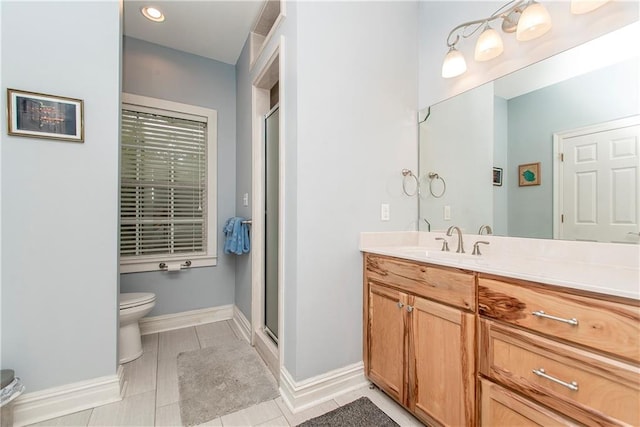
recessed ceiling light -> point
(152, 14)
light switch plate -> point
(384, 212)
(447, 213)
(245, 199)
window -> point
(167, 184)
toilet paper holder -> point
(163, 265)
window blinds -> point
(163, 185)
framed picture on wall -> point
(38, 115)
(497, 176)
(529, 174)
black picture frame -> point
(497, 177)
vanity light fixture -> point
(578, 7)
(152, 13)
(534, 22)
(489, 45)
(527, 18)
(454, 63)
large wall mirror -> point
(549, 151)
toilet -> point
(133, 307)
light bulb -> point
(534, 22)
(489, 45)
(454, 64)
(579, 7)
(152, 14)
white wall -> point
(356, 131)
(60, 199)
(159, 72)
(438, 18)
(459, 148)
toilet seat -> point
(135, 299)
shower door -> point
(272, 198)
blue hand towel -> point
(237, 236)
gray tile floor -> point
(151, 395)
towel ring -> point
(405, 174)
(434, 176)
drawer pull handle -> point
(541, 313)
(400, 305)
(541, 373)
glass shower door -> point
(272, 198)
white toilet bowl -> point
(133, 307)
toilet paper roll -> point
(173, 266)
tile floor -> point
(151, 394)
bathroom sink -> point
(428, 253)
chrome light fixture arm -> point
(503, 12)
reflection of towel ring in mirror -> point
(434, 176)
(405, 174)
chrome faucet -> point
(450, 230)
(476, 247)
(486, 228)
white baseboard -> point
(301, 395)
(241, 324)
(268, 351)
(168, 322)
(67, 399)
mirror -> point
(492, 155)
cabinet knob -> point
(400, 305)
(409, 308)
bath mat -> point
(215, 381)
(359, 413)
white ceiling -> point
(215, 29)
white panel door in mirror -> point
(599, 186)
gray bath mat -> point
(216, 381)
(359, 413)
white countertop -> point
(611, 269)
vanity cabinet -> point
(457, 347)
(572, 352)
(419, 329)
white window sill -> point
(138, 265)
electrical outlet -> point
(447, 213)
(245, 199)
(384, 212)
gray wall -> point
(459, 148)
(500, 160)
(607, 94)
(349, 109)
(159, 72)
(60, 199)
(356, 130)
(243, 174)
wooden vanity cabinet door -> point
(442, 364)
(501, 407)
(385, 339)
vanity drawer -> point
(502, 407)
(447, 285)
(585, 386)
(609, 326)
